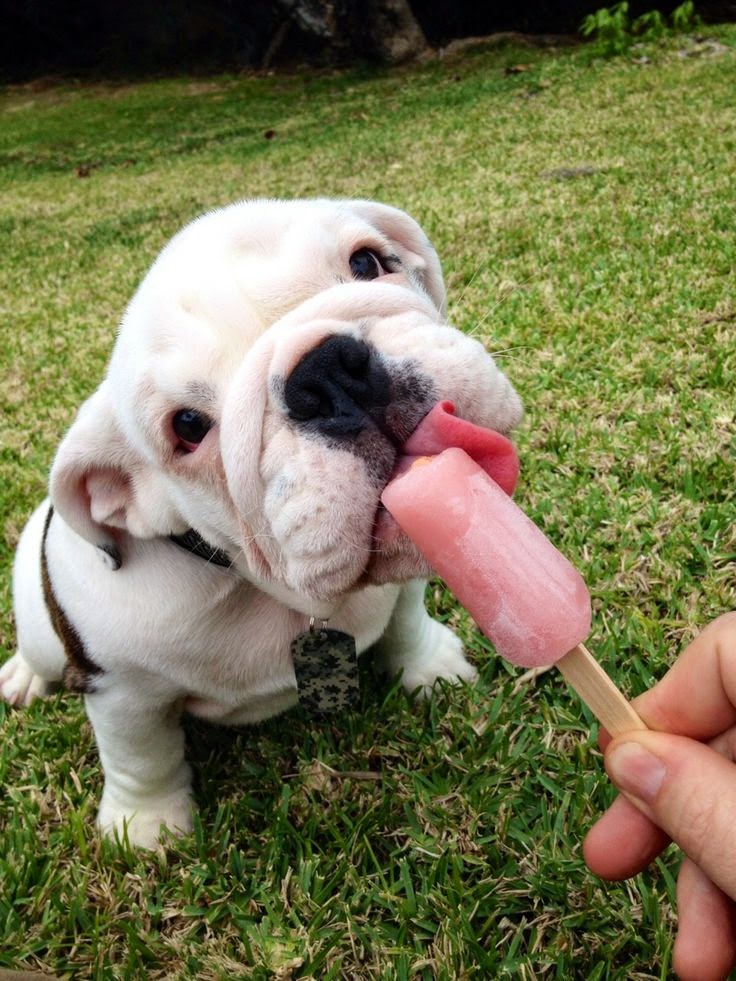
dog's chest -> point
(213, 637)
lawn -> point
(584, 211)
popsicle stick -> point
(583, 673)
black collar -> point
(192, 542)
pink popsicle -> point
(523, 593)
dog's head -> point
(267, 374)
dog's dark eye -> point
(365, 264)
(191, 427)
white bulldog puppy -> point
(220, 490)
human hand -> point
(679, 783)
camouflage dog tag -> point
(326, 666)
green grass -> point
(584, 212)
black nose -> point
(339, 387)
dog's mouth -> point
(437, 431)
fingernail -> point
(635, 770)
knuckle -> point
(698, 822)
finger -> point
(605, 737)
(724, 743)
(697, 696)
(622, 842)
(705, 948)
(688, 790)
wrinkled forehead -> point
(236, 271)
(221, 283)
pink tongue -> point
(441, 428)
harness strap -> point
(79, 669)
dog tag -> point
(326, 667)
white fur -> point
(226, 312)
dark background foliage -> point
(91, 38)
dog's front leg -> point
(420, 648)
(141, 747)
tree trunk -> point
(380, 30)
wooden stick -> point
(583, 673)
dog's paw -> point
(146, 824)
(441, 658)
(18, 684)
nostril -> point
(355, 357)
(308, 403)
(339, 386)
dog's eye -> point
(365, 264)
(191, 427)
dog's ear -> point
(412, 246)
(100, 485)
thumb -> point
(686, 788)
